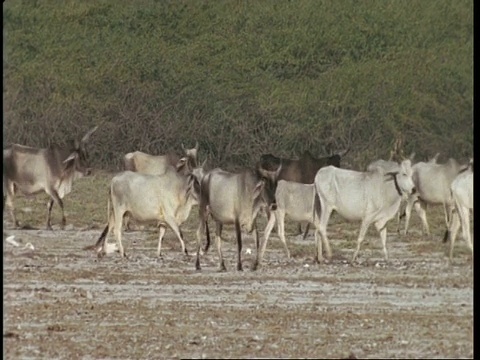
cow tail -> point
(101, 240)
(207, 231)
(317, 207)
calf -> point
(302, 170)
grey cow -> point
(234, 198)
(52, 170)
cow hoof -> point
(222, 269)
(49, 227)
(255, 266)
(239, 267)
(101, 254)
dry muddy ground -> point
(61, 302)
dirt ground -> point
(62, 302)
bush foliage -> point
(243, 77)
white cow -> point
(432, 182)
(370, 197)
(295, 200)
(166, 199)
(462, 193)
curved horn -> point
(196, 145)
(88, 134)
(343, 152)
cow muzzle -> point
(273, 206)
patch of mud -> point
(63, 302)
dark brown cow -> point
(302, 170)
(52, 170)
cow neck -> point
(395, 181)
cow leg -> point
(464, 215)
(218, 240)
(323, 243)
(266, 235)
(465, 220)
(281, 231)
(448, 209)
(171, 222)
(54, 197)
(307, 227)
(117, 230)
(49, 213)
(361, 237)
(161, 232)
(408, 212)
(421, 209)
(400, 215)
(126, 220)
(200, 229)
(299, 231)
(453, 231)
(8, 199)
(382, 230)
(322, 230)
(239, 245)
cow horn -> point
(277, 173)
(88, 134)
(343, 152)
(435, 158)
(183, 147)
(70, 157)
(196, 145)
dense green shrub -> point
(242, 77)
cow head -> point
(77, 160)
(267, 187)
(403, 178)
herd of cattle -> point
(163, 189)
